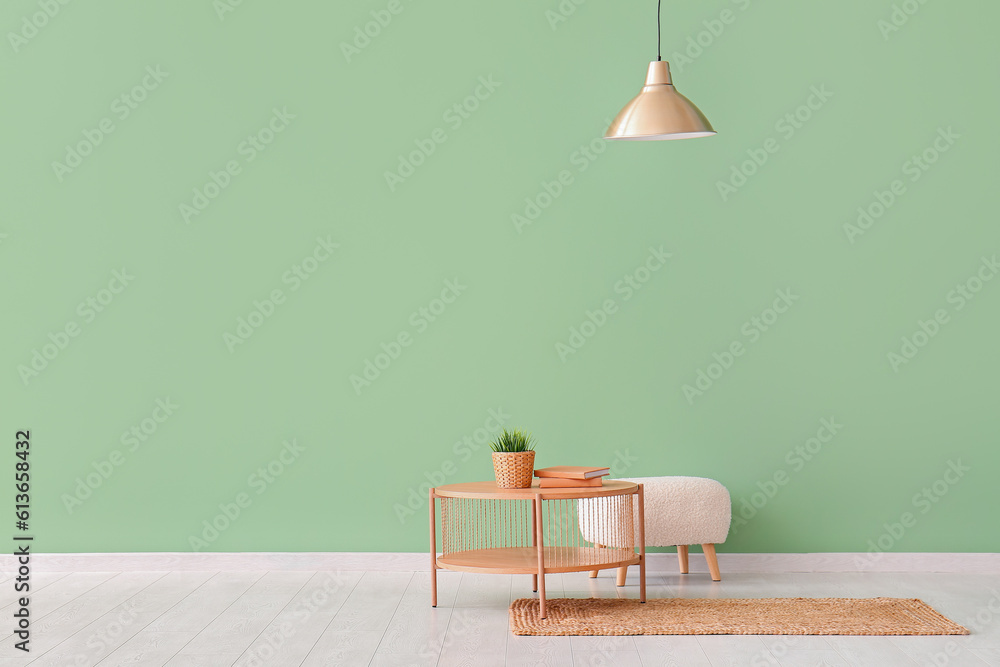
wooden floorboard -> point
(56, 590)
(291, 635)
(197, 610)
(542, 651)
(241, 623)
(417, 629)
(39, 581)
(149, 647)
(670, 651)
(280, 618)
(71, 617)
(94, 642)
(354, 633)
(478, 628)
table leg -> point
(434, 585)
(541, 557)
(534, 577)
(642, 547)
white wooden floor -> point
(215, 619)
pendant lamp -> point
(659, 112)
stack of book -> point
(570, 476)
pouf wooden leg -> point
(713, 562)
(682, 557)
(593, 573)
(622, 573)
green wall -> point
(128, 263)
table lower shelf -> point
(524, 560)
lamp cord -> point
(658, 30)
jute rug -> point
(767, 616)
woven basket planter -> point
(514, 470)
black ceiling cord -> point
(658, 30)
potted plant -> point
(513, 459)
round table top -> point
(491, 490)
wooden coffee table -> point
(537, 531)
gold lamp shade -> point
(659, 112)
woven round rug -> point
(765, 616)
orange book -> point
(558, 482)
(572, 472)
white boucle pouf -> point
(679, 511)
